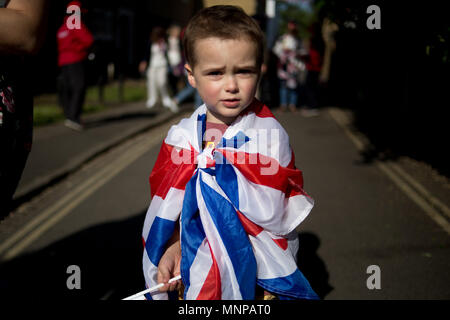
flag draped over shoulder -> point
(238, 205)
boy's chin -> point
(225, 114)
(226, 117)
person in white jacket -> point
(175, 59)
(157, 71)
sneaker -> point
(73, 125)
(310, 113)
(292, 108)
(149, 104)
(173, 106)
(282, 108)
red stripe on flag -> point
(281, 242)
(259, 108)
(249, 226)
(211, 289)
(285, 179)
(168, 172)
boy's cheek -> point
(208, 91)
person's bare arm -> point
(22, 26)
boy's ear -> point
(190, 76)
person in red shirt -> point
(313, 66)
(74, 41)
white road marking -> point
(405, 182)
(25, 236)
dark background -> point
(394, 79)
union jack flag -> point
(238, 204)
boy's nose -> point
(231, 85)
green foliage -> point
(437, 45)
(47, 113)
(132, 91)
(302, 18)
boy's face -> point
(226, 76)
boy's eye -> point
(214, 73)
(245, 71)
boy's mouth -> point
(230, 103)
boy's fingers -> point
(178, 285)
(174, 285)
(163, 277)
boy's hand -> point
(169, 267)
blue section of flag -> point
(235, 142)
(234, 239)
(148, 296)
(294, 285)
(227, 180)
(192, 233)
(160, 232)
(201, 127)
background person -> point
(287, 49)
(22, 32)
(157, 71)
(73, 49)
(175, 58)
(313, 59)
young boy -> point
(226, 196)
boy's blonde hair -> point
(224, 22)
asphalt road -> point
(362, 217)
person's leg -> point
(152, 93)
(66, 92)
(197, 100)
(10, 174)
(311, 85)
(60, 87)
(164, 90)
(293, 98)
(315, 90)
(283, 95)
(185, 93)
(15, 145)
(78, 91)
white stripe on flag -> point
(272, 261)
(168, 208)
(150, 275)
(199, 270)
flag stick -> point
(134, 296)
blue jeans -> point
(187, 92)
(288, 96)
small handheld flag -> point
(140, 295)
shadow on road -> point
(311, 265)
(89, 124)
(109, 256)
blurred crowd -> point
(302, 67)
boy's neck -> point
(210, 117)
